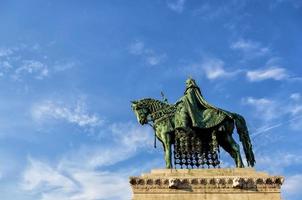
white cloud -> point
(79, 174)
(77, 115)
(14, 64)
(36, 68)
(211, 11)
(4, 52)
(212, 68)
(127, 139)
(250, 49)
(295, 96)
(38, 171)
(258, 102)
(265, 128)
(295, 109)
(102, 185)
(292, 186)
(62, 66)
(296, 124)
(138, 48)
(5, 66)
(275, 165)
(265, 108)
(272, 69)
(275, 73)
(271, 111)
(131, 135)
(154, 60)
(273, 61)
(176, 5)
(249, 46)
(26, 62)
(51, 183)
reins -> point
(154, 133)
(153, 117)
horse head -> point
(141, 111)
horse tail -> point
(244, 138)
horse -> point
(161, 114)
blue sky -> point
(68, 70)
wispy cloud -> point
(62, 66)
(137, 48)
(269, 160)
(4, 52)
(294, 3)
(249, 46)
(136, 135)
(274, 113)
(272, 70)
(152, 58)
(296, 96)
(212, 68)
(37, 171)
(295, 110)
(79, 174)
(155, 59)
(51, 183)
(266, 107)
(127, 139)
(275, 165)
(275, 73)
(26, 62)
(211, 11)
(76, 115)
(176, 5)
(32, 67)
(292, 187)
(250, 49)
(5, 67)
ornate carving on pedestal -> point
(216, 182)
(175, 183)
(236, 182)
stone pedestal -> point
(206, 184)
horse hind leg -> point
(229, 145)
(236, 153)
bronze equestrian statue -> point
(195, 129)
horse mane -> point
(152, 102)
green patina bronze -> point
(195, 129)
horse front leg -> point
(165, 139)
(167, 147)
(168, 156)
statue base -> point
(206, 184)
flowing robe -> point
(194, 111)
